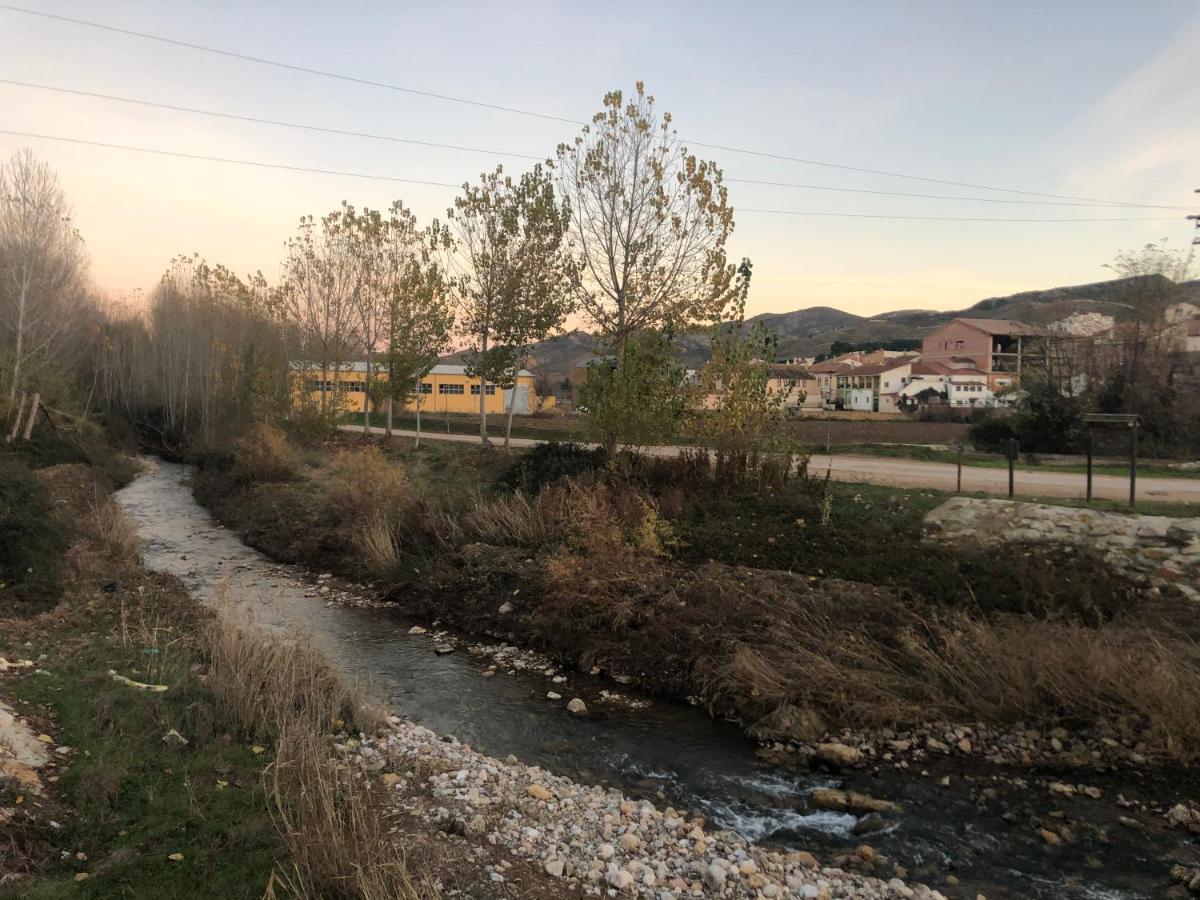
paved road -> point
(913, 473)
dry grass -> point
(114, 532)
(866, 658)
(269, 684)
(332, 816)
(379, 545)
(333, 819)
(597, 517)
(363, 483)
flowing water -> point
(695, 762)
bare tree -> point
(649, 222)
(42, 268)
(322, 279)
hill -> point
(809, 331)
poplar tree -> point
(648, 223)
(507, 234)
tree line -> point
(622, 227)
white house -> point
(961, 386)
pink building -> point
(997, 347)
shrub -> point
(264, 454)
(31, 543)
(549, 462)
(991, 435)
(363, 483)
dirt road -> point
(941, 476)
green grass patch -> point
(135, 799)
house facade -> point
(447, 388)
(796, 385)
(1000, 348)
(962, 387)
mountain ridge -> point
(811, 330)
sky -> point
(1094, 99)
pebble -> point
(595, 840)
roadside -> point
(1032, 483)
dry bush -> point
(264, 454)
(269, 685)
(114, 532)
(334, 820)
(379, 545)
(519, 518)
(861, 656)
(363, 482)
(333, 817)
(749, 640)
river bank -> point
(926, 764)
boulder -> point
(577, 707)
(788, 723)
(838, 755)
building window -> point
(426, 387)
(450, 389)
(491, 390)
(958, 345)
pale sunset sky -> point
(1089, 98)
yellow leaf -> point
(45, 739)
(258, 749)
(176, 857)
(82, 876)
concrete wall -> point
(1165, 552)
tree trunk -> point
(483, 435)
(417, 442)
(16, 426)
(512, 403)
(367, 397)
(391, 403)
(33, 408)
(22, 301)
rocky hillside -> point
(809, 331)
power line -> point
(843, 215)
(222, 159)
(261, 121)
(423, 143)
(821, 187)
(290, 168)
(245, 57)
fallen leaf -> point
(258, 749)
(45, 739)
(176, 857)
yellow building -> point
(446, 388)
